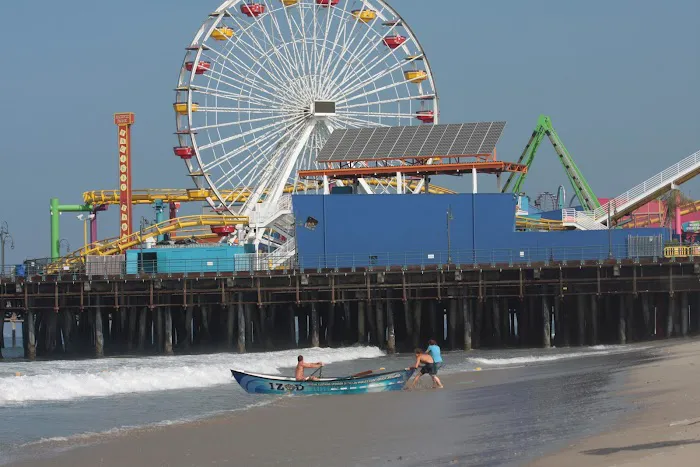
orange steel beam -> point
(433, 169)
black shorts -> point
(430, 369)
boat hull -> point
(265, 384)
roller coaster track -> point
(527, 223)
(169, 195)
(119, 245)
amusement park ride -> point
(268, 97)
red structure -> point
(425, 116)
(184, 152)
(223, 230)
(327, 3)
(253, 9)
(124, 121)
(202, 67)
(394, 41)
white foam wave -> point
(597, 350)
(55, 381)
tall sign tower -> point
(124, 121)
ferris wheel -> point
(263, 84)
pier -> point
(567, 303)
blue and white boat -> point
(361, 383)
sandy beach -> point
(666, 428)
(549, 414)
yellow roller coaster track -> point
(526, 223)
(119, 245)
(170, 195)
(646, 220)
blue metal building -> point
(364, 230)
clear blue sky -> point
(619, 78)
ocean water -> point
(46, 401)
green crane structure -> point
(583, 191)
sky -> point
(620, 80)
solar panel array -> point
(401, 142)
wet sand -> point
(664, 431)
(493, 417)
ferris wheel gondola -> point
(263, 84)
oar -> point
(366, 372)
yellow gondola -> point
(416, 76)
(289, 2)
(222, 33)
(365, 15)
(181, 107)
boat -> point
(367, 381)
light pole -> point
(61, 242)
(449, 243)
(4, 236)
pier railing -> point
(651, 249)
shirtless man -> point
(427, 368)
(299, 373)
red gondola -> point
(184, 152)
(327, 3)
(201, 67)
(253, 9)
(394, 41)
(425, 116)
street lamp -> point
(4, 236)
(61, 242)
(449, 243)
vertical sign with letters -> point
(124, 121)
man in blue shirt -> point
(429, 367)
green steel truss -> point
(583, 191)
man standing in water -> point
(301, 364)
(427, 368)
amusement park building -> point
(361, 230)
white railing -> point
(581, 219)
(649, 188)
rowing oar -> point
(366, 372)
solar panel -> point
(402, 142)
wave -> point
(60, 381)
(594, 351)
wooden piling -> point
(670, 314)
(646, 316)
(159, 330)
(168, 332)
(452, 321)
(467, 320)
(496, 322)
(241, 342)
(230, 324)
(2, 328)
(361, 332)
(249, 326)
(478, 320)
(315, 342)
(142, 328)
(188, 337)
(594, 319)
(132, 310)
(99, 330)
(547, 321)
(371, 322)
(347, 320)
(622, 320)
(417, 319)
(391, 334)
(684, 314)
(204, 331)
(67, 323)
(381, 330)
(562, 335)
(581, 319)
